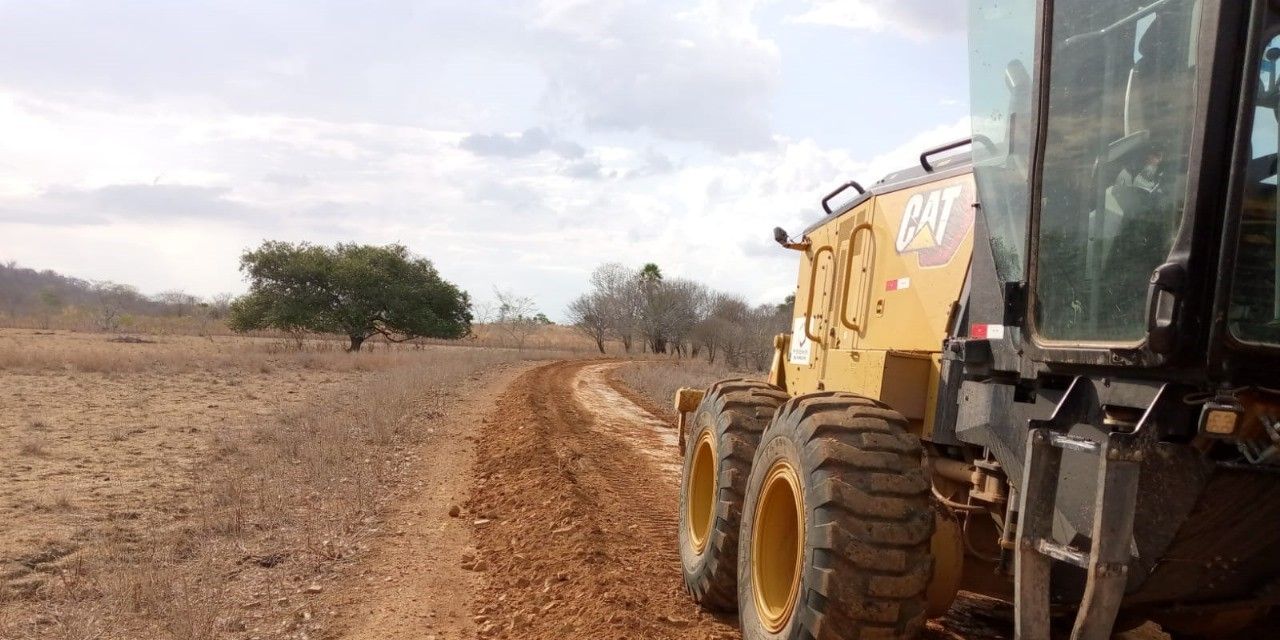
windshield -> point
(1115, 162)
(1001, 57)
(1255, 297)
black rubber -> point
(738, 412)
(868, 521)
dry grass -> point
(37, 447)
(658, 380)
(545, 338)
(190, 488)
(41, 351)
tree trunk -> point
(356, 342)
(626, 343)
(600, 344)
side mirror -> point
(780, 236)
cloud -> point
(133, 202)
(586, 169)
(287, 180)
(522, 145)
(915, 19)
(652, 163)
(691, 74)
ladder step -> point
(1083, 445)
(1063, 552)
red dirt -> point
(572, 523)
(575, 527)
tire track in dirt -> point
(575, 515)
(413, 586)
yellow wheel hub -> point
(777, 546)
(701, 501)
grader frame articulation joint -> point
(1066, 397)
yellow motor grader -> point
(1044, 369)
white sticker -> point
(801, 348)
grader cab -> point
(1044, 370)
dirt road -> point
(575, 513)
(569, 530)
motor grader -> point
(1043, 370)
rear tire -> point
(721, 442)
(857, 560)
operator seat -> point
(1139, 221)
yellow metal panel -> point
(905, 386)
(860, 372)
(923, 238)
(886, 277)
(931, 399)
(806, 356)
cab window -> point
(1115, 162)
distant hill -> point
(27, 293)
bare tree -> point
(51, 303)
(111, 299)
(619, 290)
(484, 312)
(680, 316)
(220, 305)
(589, 313)
(669, 310)
(179, 303)
(719, 330)
(516, 316)
(204, 314)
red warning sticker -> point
(897, 284)
(987, 332)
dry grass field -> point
(656, 381)
(187, 487)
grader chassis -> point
(1066, 397)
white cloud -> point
(537, 223)
(915, 19)
(530, 142)
(515, 144)
(700, 74)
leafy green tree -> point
(359, 291)
(650, 273)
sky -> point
(516, 144)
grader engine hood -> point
(877, 289)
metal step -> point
(1106, 563)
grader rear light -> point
(1221, 417)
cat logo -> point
(934, 223)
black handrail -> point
(827, 207)
(924, 157)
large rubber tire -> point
(862, 565)
(730, 419)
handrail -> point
(813, 280)
(826, 202)
(848, 272)
(924, 157)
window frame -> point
(1228, 352)
(1190, 248)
